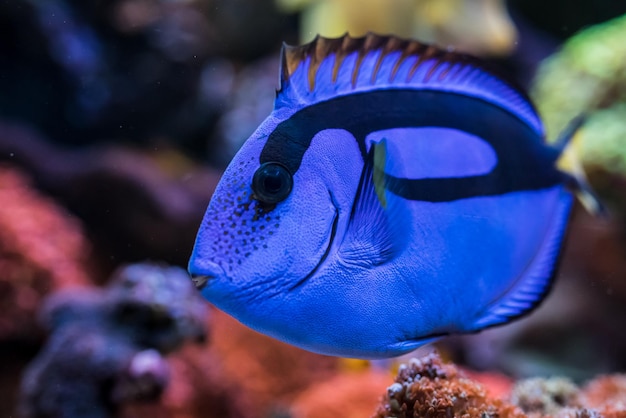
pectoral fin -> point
(375, 231)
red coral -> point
(41, 249)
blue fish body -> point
(397, 193)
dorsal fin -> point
(329, 67)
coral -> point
(496, 384)
(590, 61)
(544, 396)
(199, 388)
(107, 346)
(427, 387)
(329, 398)
(272, 373)
(588, 76)
(606, 394)
(136, 204)
(602, 397)
(42, 249)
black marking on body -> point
(524, 161)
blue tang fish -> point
(397, 193)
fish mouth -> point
(200, 281)
(203, 274)
(333, 232)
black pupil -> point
(273, 181)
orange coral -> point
(270, 371)
(360, 390)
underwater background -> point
(116, 121)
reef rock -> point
(107, 346)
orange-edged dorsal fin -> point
(328, 67)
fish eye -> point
(272, 183)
